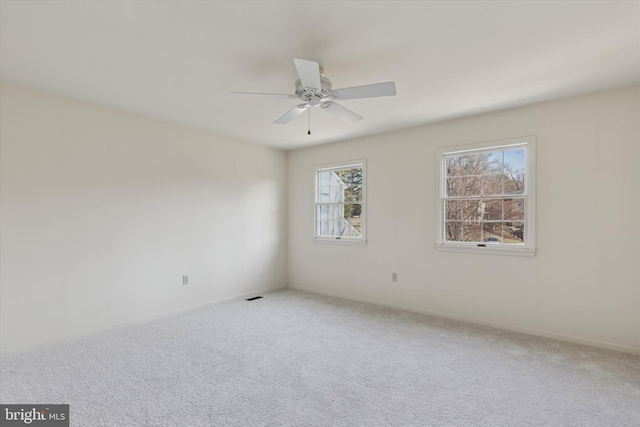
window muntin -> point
(339, 211)
(485, 197)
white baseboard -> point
(133, 322)
(536, 332)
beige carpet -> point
(298, 359)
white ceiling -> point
(178, 60)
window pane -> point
(353, 224)
(492, 185)
(329, 212)
(350, 181)
(493, 162)
(472, 185)
(333, 227)
(471, 164)
(514, 209)
(492, 210)
(321, 228)
(324, 195)
(514, 161)
(340, 185)
(513, 183)
(492, 232)
(453, 209)
(339, 220)
(514, 232)
(336, 194)
(324, 179)
(454, 167)
(471, 210)
(472, 232)
(455, 187)
(457, 166)
(322, 212)
(453, 231)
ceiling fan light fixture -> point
(314, 100)
(325, 88)
(315, 90)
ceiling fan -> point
(314, 89)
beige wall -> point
(584, 283)
(102, 212)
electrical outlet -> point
(394, 277)
(185, 280)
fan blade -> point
(292, 114)
(286, 95)
(367, 91)
(340, 111)
(309, 73)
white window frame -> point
(343, 240)
(528, 248)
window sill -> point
(487, 250)
(343, 241)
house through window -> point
(340, 209)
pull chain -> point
(309, 127)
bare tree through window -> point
(482, 202)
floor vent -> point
(254, 298)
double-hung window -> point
(340, 203)
(486, 197)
